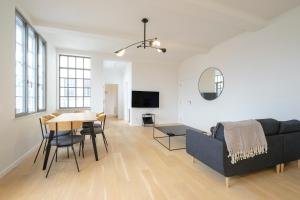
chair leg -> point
(105, 143)
(82, 149)
(56, 156)
(75, 158)
(68, 152)
(51, 162)
(104, 140)
(80, 144)
(45, 145)
(38, 151)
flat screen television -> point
(145, 99)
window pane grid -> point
(20, 67)
(41, 76)
(219, 83)
(73, 74)
(30, 69)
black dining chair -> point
(45, 134)
(98, 129)
(66, 141)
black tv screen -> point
(145, 99)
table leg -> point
(48, 149)
(153, 132)
(91, 125)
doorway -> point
(111, 100)
(117, 89)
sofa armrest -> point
(291, 150)
(208, 150)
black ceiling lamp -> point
(146, 43)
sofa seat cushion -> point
(59, 134)
(289, 126)
(270, 126)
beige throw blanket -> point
(244, 139)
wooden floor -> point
(137, 167)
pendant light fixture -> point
(146, 43)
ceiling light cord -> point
(144, 34)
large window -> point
(74, 81)
(30, 69)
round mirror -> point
(211, 83)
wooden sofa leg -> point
(227, 179)
(194, 160)
(282, 167)
(278, 168)
(298, 163)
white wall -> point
(156, 76)
(51, 77)
(97, 83)
(127, 88)
(261, 73)
(18, 136)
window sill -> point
(72, 109)
(28, 115)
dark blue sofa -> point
(283, 140)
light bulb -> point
(156, 43)
(120, 52)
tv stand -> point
(148, 119)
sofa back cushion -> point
(213, 131)
(289, 126)
(219, 132)
(270, 126)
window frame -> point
(35, 54)
(219, 82)
(83, 79)
(44, 43)
(38, 38)
(20, 17)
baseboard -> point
(111, 115)
(18, 161)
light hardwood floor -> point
(137, 167)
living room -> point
(252, 47)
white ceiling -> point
(184, 27)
